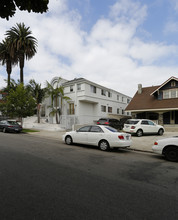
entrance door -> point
(166, 118)
(176, 117)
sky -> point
(115, 43)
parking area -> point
(143, 143)
(146, 142)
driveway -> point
(146, 142)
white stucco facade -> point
(88, 102)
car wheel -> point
(139, 133)
(68, 140)
(160, 132)
(103, 145)
(171, 154)
(4, 130)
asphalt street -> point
(46, 179)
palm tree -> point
(38, 93)
(23, 44)
(56, 92)
(6, 58)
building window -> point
(71, 109)
(128, 100)
(123, 111)
(166, 94)
(78, 86)
(93, 89)
(71, 88)
(103, 108)
(110, 109)
(122, 99)
(109, 94)
(173, 83)
(172, 93)
(118, 111)
(118, 97)
(103, 92)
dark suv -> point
(111, 122)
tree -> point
(8, 7)
(18, 103)
(22, 44)
(56, 92)
(38, 94)
(6, 58)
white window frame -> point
(103, 92)
(78, 87)
(103, 108)
(168, 94)
(93, 89)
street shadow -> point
(111, 150)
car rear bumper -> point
(122, 144)
(156, 149)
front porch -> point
(161, 117)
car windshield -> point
(102, 120)
(132, 122)
(12, 122)
(111, 129)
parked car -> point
(123, 121)
(167, 147)
(105, 137)
(142, 126)
(115, 123)
(10, 126)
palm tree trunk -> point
(38, 112)
(9, 70)
(21, 67)
(57, 121)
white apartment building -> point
(88, 102)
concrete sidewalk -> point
(143, 143)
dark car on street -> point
(10, 126)
(115, 123)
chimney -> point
(139, 88)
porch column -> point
(160, 118)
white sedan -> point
(167, 147)
(104, 137)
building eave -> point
(152, 110)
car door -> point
(95, 135)
(145, 126)
(2, 124)
(152, 127)
(81, 135)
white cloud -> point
(129, 11)
(150, 52)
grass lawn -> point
(28, 130)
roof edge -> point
(172, 77)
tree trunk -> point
(38, 112)
(57, 121)
(21, 67)
(9, 70)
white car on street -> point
(104, 137)
(142, 126)
(167, 147)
